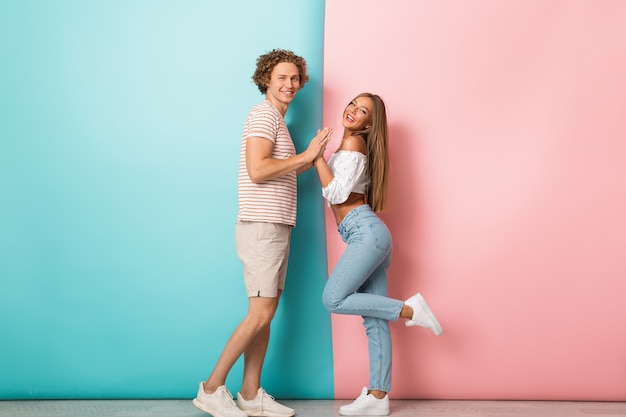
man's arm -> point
(262, 167)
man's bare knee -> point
(262, 310)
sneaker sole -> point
(209, 410)
(437, 330)
(255, 413)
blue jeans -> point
(358, 286)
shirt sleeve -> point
(347, 167)
(262, 123)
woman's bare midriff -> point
(340, 210)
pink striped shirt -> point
(272, 201)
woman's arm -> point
(340, 175)
(351, 143)
(323, 171)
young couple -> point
(354, 182)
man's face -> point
(284, 83)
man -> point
(268, 166)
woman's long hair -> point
(376, 140)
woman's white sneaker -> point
(422, 315)
(366, 405)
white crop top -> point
(350, 176)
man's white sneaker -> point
(422, 315)
(218, 404)
(366, 405)
(264, 405)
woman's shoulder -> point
(353, 144)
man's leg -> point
(254, 356)
(252, 398)
(253, 330)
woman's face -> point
(358, 114)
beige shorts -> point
(263, 249)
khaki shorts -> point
(264, 252)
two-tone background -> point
(120, 127)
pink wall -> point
(508, 184)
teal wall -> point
(120, 125)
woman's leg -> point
(378, 337)
(358, 286)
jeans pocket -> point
(381, 236)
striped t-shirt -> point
(272, 201)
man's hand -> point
(318, 144)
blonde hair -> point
(376, 140)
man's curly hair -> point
(266, 63)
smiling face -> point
(358, 114)
(283, 85)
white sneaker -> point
(218, 404)
(366, 405)
(422, 315)
(264, 405)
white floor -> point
(315, 408)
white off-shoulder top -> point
(350, 175)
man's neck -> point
(280, 106)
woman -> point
(354, 181)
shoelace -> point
(226, 398)
(360, 399)
(265, 394)
(265, 397)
